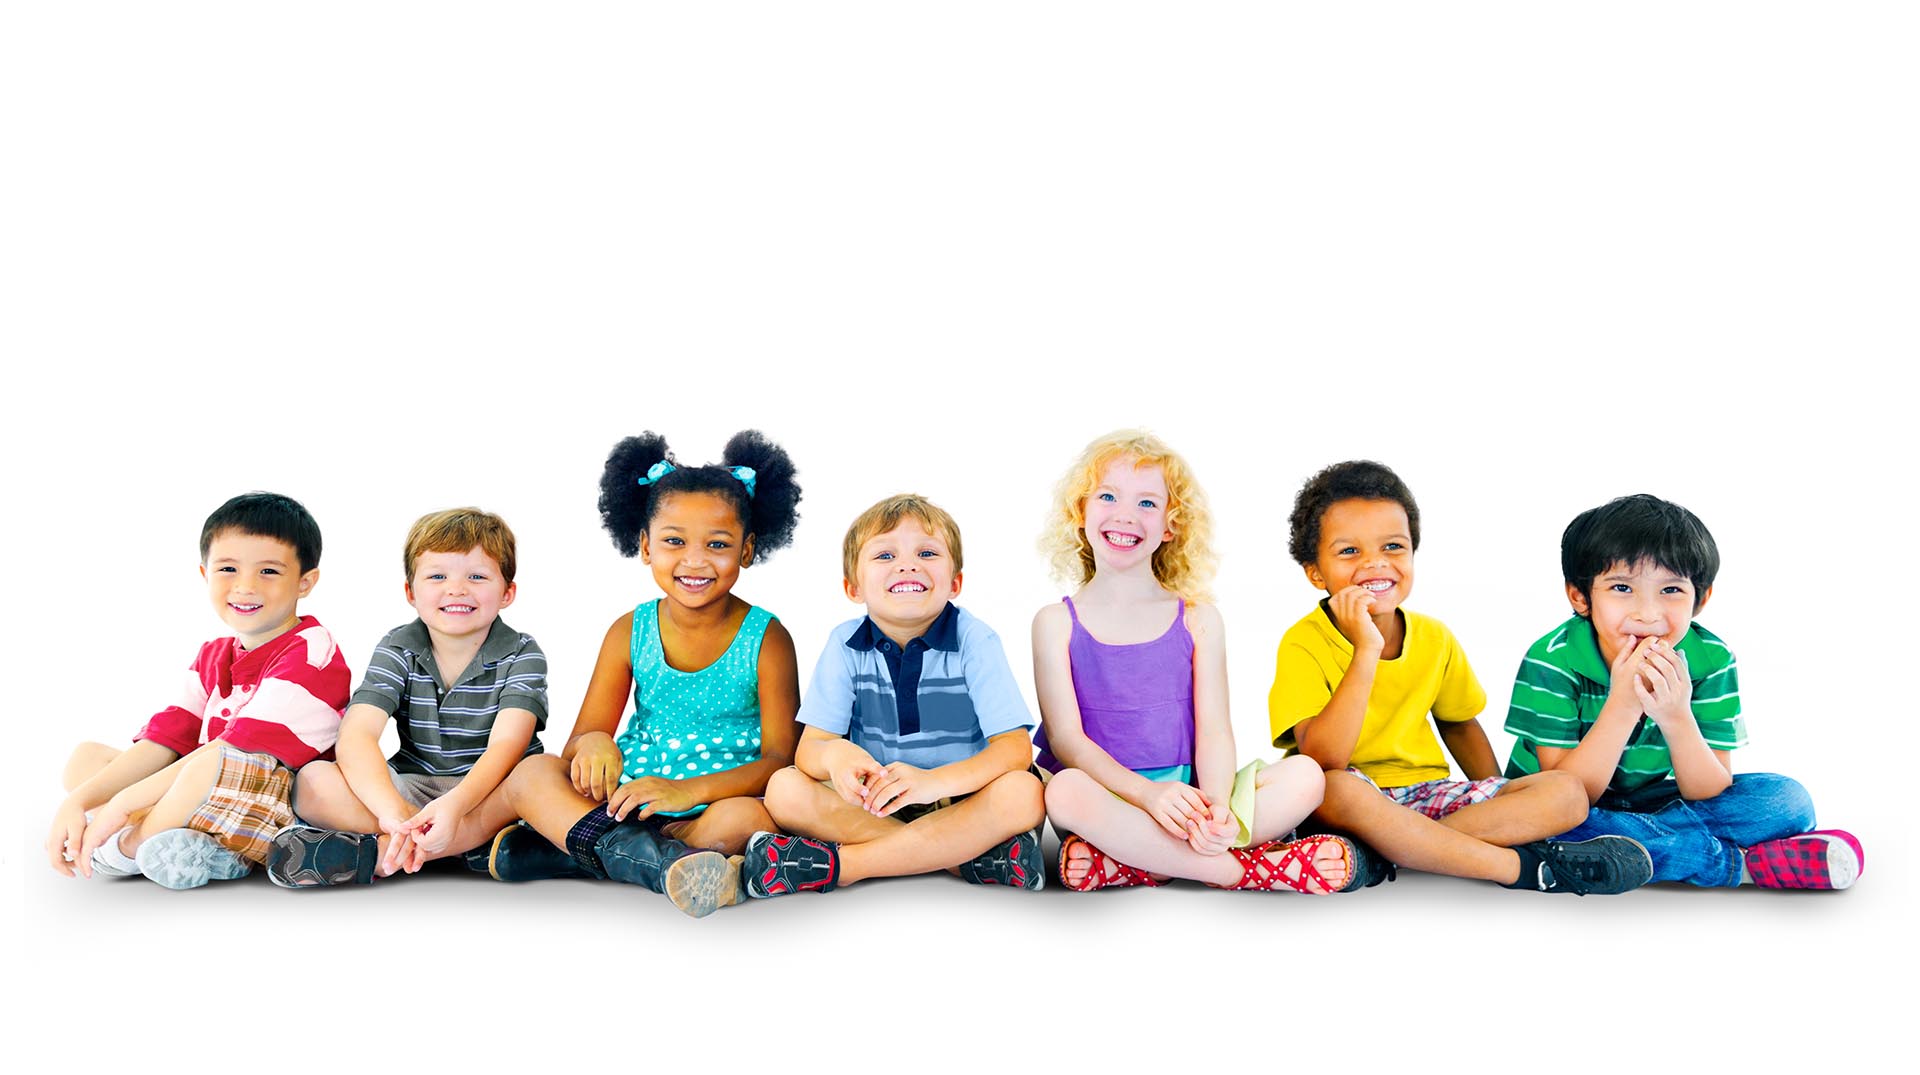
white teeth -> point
(907, 587)
(457, 608)
(1377, 585)
(1124, 540)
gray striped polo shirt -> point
(444, 728)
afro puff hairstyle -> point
(768, 516)
(1360, 479)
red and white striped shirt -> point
(282, 699)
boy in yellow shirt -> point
(1354, 684)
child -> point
(1132, 677)
(916, 753)
(1353, 686)
(467, 692)
(1642, 706)
(670, 803)
(183, 811)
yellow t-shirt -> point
(1397, 746)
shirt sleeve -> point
(1716, 708)
(995, 695)
(828, 702)
(523, 681)
(294, 714)
(178, 726)
(1545, 709)
(1301, 689)
(1461, 696)
(384, 686)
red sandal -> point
(1260, 873)
(1097, 877)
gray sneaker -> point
(188, 858)
(1602, 866)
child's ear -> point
(956, 585)
(1701, 604)
(853, 590)
(1579, 599)
(507, 595)
(644, 557)
(1314, 577)
(308, 581)
(746, 552)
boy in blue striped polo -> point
(917, 749)
(468, 693)
(1643, 705)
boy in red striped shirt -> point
(184, 811)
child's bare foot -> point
(1330, 862)
(1084, 867)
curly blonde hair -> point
(1185, 564)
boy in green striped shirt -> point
(1643, 705)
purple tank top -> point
(1136, 701)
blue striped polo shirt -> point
(933, 702)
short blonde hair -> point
(1184, 564)
(886, 515)
(460, 529)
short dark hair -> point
(1632, 529)
(1359, 479)
(268, 515)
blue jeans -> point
(1700, 841)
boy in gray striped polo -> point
(469, 695)
(1643, 705)
(917, 752)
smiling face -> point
(696, 545)
(1126, 515)
(1635, 601)
(1365, 543)
(905, 577)
(256, 585)
(458, 594)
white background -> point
(390, 260)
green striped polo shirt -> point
(1563, 682)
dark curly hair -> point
(267, 515)
(1359, 479)
(769, 515)
(1632, 529)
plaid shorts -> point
(1438, 798)
(250, 802)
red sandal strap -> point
(1123, 875)
(1260, 873)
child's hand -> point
(431, 831)
(1624, 671)
(898, 785)
(1176, 807)
(1352, 610)
(402, 854)
(1215, 833)
(650, 795)
(1661, 683)
(68, 833)
(596, 765)
(106, 824)
(852, 776)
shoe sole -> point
(320, 858)
(493, 852)
(180, 864)
(704, 881)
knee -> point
(317, 785)
(731, 821)
(533, 771)
(1067, 796)
(1017, 799)
(1778, 797)
(1300, 775)
(86, 760)
(1568, 800)
(787, 793)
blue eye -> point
(1148, 504)
(1394, 546)
(928, 554)
(883, 556)
(436, 577)
(1108, 497)
(476, 577)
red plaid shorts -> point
(250, 802)
(1438, 798)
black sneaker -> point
(310, 858)
(777, 864)
(1602, 866)
(1015, 863)
(519, 853)
(1368, 867)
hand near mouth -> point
(1352, 609)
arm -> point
(1213, 754)
(778, 676)
(365, 769)
(132, 765)
(823, 755)
(1467, 742)
(590, 747)
(128, 804)
(1330, 737)
(907, 785)
(434, 826)
(1172, 806)
(1666, 692)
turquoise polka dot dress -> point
(687, 724)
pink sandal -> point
(1123, 875)
(1259, 873)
